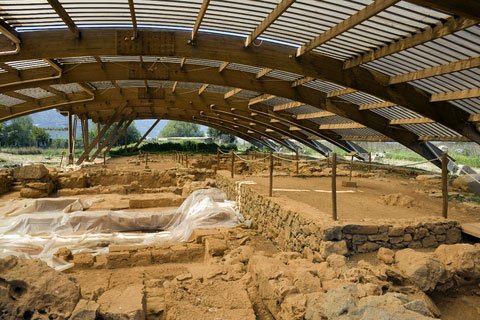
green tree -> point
(181, 129)
(19, 132)
(220, 137)
(133, 135)
(40, 136)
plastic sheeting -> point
(41, 234)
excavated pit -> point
(284, 259)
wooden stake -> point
(104, 158)
(186, 160)
(270, 187)
(351, 169)
(218, 158)
(445, 184)
(297, 158)
(334, 186)
(146, 160)
(233, 164)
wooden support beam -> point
(411, 121)
(202, 89)
(122, 132)
(269, 19)
(263, 73)
(54, 91)
(461, 8)
(23, 97)
(261, 98)
(108, 139)
(294, 128)
(443, 138)
(378, 105)
(456, 95)
(223, 66)
(474, 118)
(174, 88)
(198, 22)
(146, 134)
(341, 126)
(131, 5)
(231, 93)
(367, 138)
(452, 25)
(340, 92)
(100, 134)
(10, 69)
(366, 13)
(455, 66)
(71, 139)
(289, 105)
(57, 6)
(302, 81)
(314, 115)
(9, 32)
(182, 63)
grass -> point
(407, 155)
(466, 198)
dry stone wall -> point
(296, 231)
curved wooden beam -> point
(99, 42)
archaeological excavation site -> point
(240, 159)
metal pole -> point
(233, 164)
(297, 158)
(334, 186)
(270, 186)
(445, 184)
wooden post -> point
(369, 157)
(146, 160)
(233, 164)
(351, 169)
(85, 135)
(445, 184)
(270, 185)
(186, 160)
(334, 186)
(104, 159)
(70, 139)
(218, 158)
(61, 159)
(298, 159)
(146, 134)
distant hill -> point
(53, 119)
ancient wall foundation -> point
(310, 228)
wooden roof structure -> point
(264, 70)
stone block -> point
(453, 235)
(123, 303)
(31, 172)
(85, 310)
(396, 231)
(83, 260)
(429, 242)
(360, 229)
(215, 247)
(162, 200)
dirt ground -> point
(221, 283)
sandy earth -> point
(363, 202)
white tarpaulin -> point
(40, 234)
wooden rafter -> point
(452, 25)
(289, 105)
(23, 97)
(174, 87)
(223, 66)
(411, 121)
(474, 118)
(455, 66)
(272, 16)
(367, 138)
(302, 81)
(202, 88)
(260, 98)
(314, 115)
(456, 95)
(340, 92)
(341, 126)
(378, 105)
(366, 13)
(231, 93)
(62, 13)
(460, 8)
(133, 16)
(198, 22)
(442, 138)
(9, 32)
(263, 73)
(183, 62)
(54, 91)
